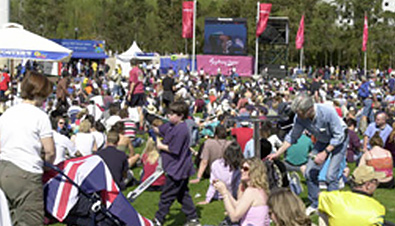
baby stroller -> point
(81, 191)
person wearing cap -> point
(355, 207)
(331, 133)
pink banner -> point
(187, 19)
(211, 63)
(365, 34)
(300, 35)
(264, 11)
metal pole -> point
(194, 37)
(257, 138)
(256, 42)
(365, 63)
(301, 58)
(186, 46)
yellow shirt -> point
(94, 66)
(351, 209)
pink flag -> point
(300, 35)
(264, 11)
(187, 19)
(365, 34)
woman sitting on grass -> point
(227, 170)
(251, 207)
(380, 159)
(84, 140)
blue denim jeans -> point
(116, 90)
(313, 170)
(366, 111)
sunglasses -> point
(245, 168)
(61, 123)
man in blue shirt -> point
(330, 131)
(379, 124)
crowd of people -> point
(312, 123)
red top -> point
(136, 76)
(4, 80)
(243, 135)
(339, 112)
(149, 169)
(381, 164)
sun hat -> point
(366, 173)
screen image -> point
(225, 36)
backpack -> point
(363, 90)
(276, 174)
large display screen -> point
(225, 36)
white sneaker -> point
(323, 185)
(341, 183)
(310, 211)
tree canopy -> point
(156, 25)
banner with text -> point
(187, 19)
(211, 63)
(263, 17)
(85, 49)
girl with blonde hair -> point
(150, 159)
(84, 140)
(251, 206)
(287, 209)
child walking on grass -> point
(177, 164)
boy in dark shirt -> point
(177, 163)
(116, 160)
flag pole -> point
(186, 46)
(366, 49)
(301, 58)
(193, 69)
(365, 63)
(256, 42)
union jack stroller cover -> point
(92, 175)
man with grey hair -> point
(302, 103)
(330, 131)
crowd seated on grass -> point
(89, 107)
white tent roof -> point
(16, 42)
(130, 53)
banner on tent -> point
(211, 63)
(90, 49)
(31, 54)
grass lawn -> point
(211, 214)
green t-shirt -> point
(298, 153)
